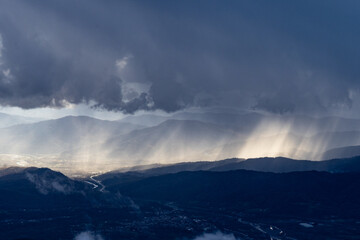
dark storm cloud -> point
(279, 56)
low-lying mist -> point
(87, 235)
(216, 236)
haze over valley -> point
(81, 143)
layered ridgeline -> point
(90, 144)
(275, 165)
(182, 201)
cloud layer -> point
(276, 56)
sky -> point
(113, 58)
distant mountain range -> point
(59, 135)
(342, 152)
(7, 120)
(93, 144)
(170, 141)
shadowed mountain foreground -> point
(165, 202)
